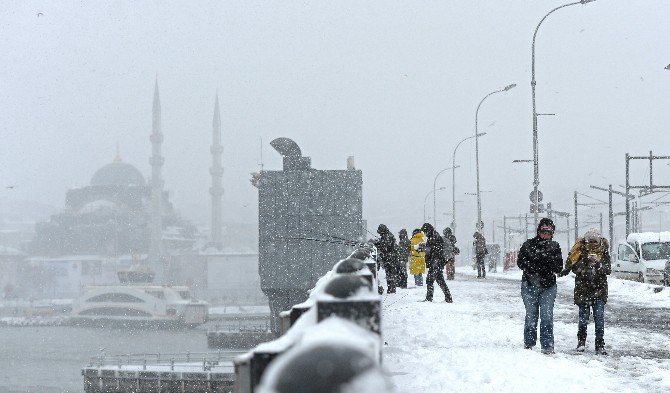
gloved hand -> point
(564, 272)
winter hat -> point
(403, 232)
(447, 232)
(417, 230)
(427, 228)
(382, 229)
(592, 235)
(546, 225)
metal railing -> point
(205, 361)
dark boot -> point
(581, 346)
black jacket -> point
(435, 251)
(540, 260)
(404, 246)
(387, 249)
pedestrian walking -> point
(387, 256)
(450, 252)
(417, 263)
(479, 246)
(590, 260)
(436, 262)
(540, 259)
(404, 245)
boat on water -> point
(136, 301)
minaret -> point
(216, 191)
(156, 162)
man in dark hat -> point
(450, 252)
(540, 259)
(479, 246)
(404, 245)
(388, 256)
(435, 261)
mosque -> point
(121, 219)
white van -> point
(643, 257)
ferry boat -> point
(136, 301)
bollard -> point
(324, 368)
(354, 266)
(259, 362)
(296, 312)
(242, 366)
(364, 311)
(284, 322)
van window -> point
(656, 250)
(624, 252)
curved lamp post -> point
(480, 224)
(434, 183)
(536, 174)
(453, 181)
(426, 199)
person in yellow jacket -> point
(591, 262)
(417, 261)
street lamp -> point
(426, 198)
(435, 182)
(479, 199)
(453, 181)
(536, 175)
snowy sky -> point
(394, 84)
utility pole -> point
(644, 189)
(576, 218)
(526, 225)
(493, 232)
(505, 234)
(610, 192)
(577, 204)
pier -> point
(211, 372)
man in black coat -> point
(388, 256)
(540, 259)
(404, 246)
(435, 261)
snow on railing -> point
(186, 361)
(337, 328)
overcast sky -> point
(395, 84)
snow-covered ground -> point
(476, 343)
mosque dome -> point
(117, 174)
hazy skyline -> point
(395, 84)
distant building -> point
(10, 260)
(110, 217)
(121, 217)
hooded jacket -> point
(591, 264)
(434, 247)
(450, 249)
(540, 259)
(404, 245)
(417, 263)
(386, 247)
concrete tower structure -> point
(216, 191)
(156, 162)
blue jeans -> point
(538, 302)
(418, 279)
(598, 307)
